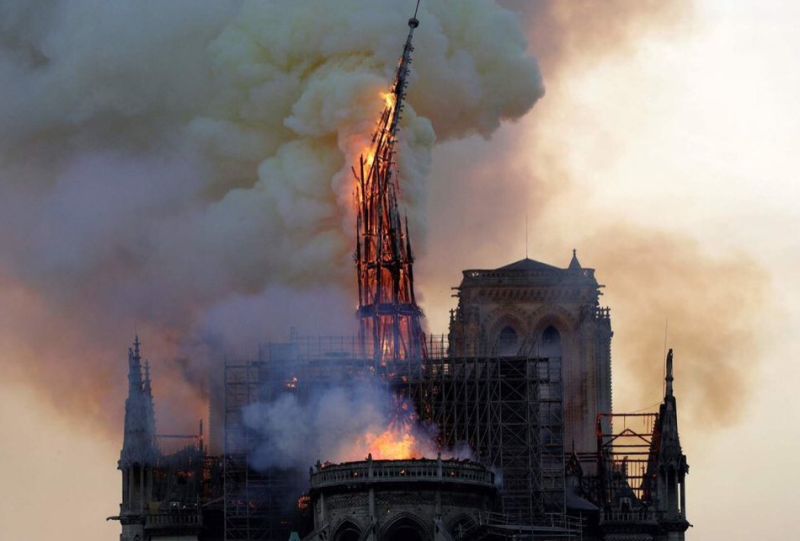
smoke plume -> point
(339, 424)
(181, 169)
(714, 300)
(707, 305)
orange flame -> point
(399, 441)
(388, 99)
(368, 151)
(370, 158)
(393, 444)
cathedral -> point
(524, 379)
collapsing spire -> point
(390, 320)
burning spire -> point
(390, 320)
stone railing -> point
(175, 519)
(642, 515)
(392, 471)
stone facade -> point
(393, 500)
(530, 308)
(527, 342)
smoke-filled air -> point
(182, 169)
(575, 168)
(340, 423)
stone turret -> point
(139, 452)
(138, 445)
(672, 466)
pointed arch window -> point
(507, 342)
(406, 530)
(347, 532)
(550, 343)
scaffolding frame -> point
(625, 458)
(509, 411)
(258, 505)
(249, 496)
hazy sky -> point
(701, 134)
(691, 132)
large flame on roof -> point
(402, 439)
(393, 445)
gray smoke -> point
(339, 423)
(182, 167)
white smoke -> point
(337, 424)
(162, 163)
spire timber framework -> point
(390, 320)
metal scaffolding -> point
(252, 499)
(509, 411)
(260, 504)
(626, 458)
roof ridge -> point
(528, 264)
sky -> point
(690, 131)
(667, 159)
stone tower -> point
(529, 308)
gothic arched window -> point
(507, 342)
(406, 530)
(347, 532)
(551, 343)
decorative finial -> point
(574, 264)
(669, 379)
